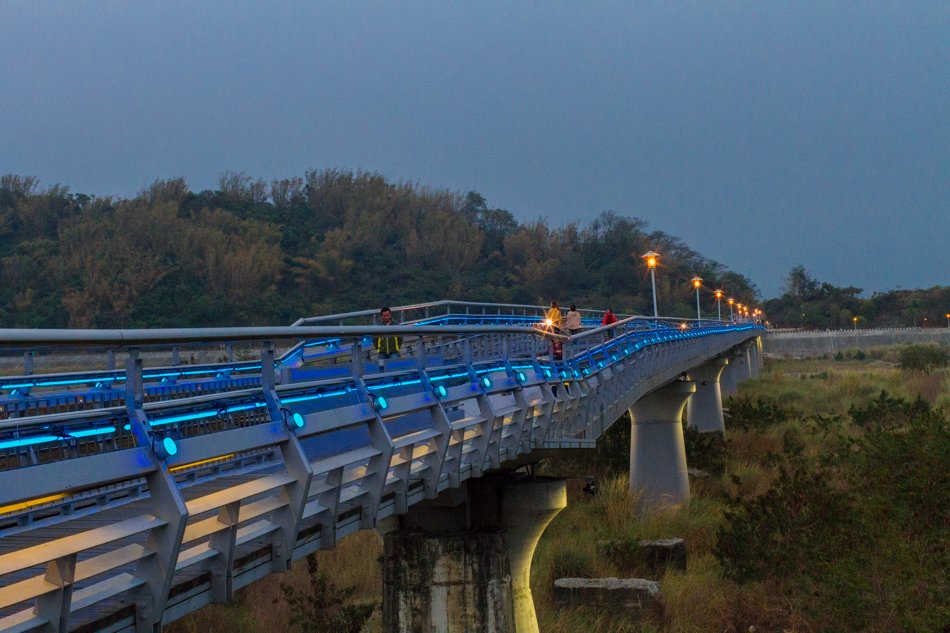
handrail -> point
(139, 338)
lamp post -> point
(719, 304)
(697, 284)
(855, 319)
(651, 258)
(948, 320)
(731, 301)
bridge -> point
(130, 497)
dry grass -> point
(260, 608)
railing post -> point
(356, 358)
(28, 363)
(421, 352)
(166, 503)
(54, 606)
(296, 462)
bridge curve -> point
(129, 498)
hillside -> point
(256, 253)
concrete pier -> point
(728, 381)
(704, 408)
(657, 451)
(471, 573)
(740, 359)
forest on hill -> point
(815, 305)
(257, 253)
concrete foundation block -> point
(664, 553)
(627, 595)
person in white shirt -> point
(573, 320)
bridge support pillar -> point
(759, 356)
(740, 358)
(467, 567)
(704, 408)
(657, 450)
(728, 384)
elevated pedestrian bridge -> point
(130, 497)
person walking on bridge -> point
(573, 320)
(386, 346)
(553, 317)
(609, 319)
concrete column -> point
(527, 507)
(754, 359)
(463, 564)
(657, 451)
(727, 381)
(704, 408)
(446, 582)
(740, 358)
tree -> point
(323, 607)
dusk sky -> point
(764, 134)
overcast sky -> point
(763, 134)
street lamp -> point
(948, 320)
(855, 319)
(718, 294)
(731, 301)
(697, 284)
(651, 258)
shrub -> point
(572, 563)
(923, 357)
(322, 607)
(889, 412)
(794, 529)
(747, 413)
(706, 451)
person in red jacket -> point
(609, 319)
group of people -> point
(387, 346)
(571, 323)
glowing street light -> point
(855, 319)
(651, 258)
(718, 294)
(697, 284)
(948, 320)
(731, 302)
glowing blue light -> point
(169, 447)
(547, 373)
(575, 373)
(586, 371)
(298, 421)
(440, 391)
(486, 382)
(521, 377)
(381, 403)
(600, 364)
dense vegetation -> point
(251, 253)
(811, 304)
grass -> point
(698, 600)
